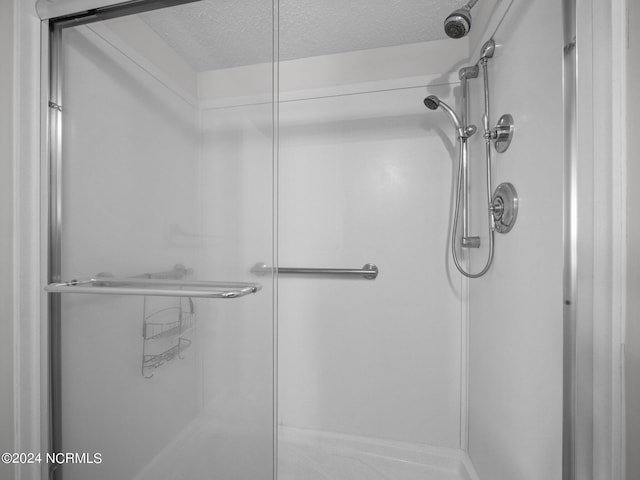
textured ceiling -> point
(213, 34)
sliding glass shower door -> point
(161, 201)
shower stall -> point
(249, 230)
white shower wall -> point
(516, 310)
(366, 178)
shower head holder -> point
(487, 50)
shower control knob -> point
(497, 208)
(503, 133)
(504, 207)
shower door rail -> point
(106, 285)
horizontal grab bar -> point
(368, 271)
(145, 286)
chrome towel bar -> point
(104, 285)
(368, 271)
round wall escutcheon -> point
(504, 207)
(504, 133)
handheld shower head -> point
(432, 103)
(458, 23)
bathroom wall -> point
(516, 310)
(359, 167)
(129, 174)
(7, 205)
(380, 358)
(632, 341)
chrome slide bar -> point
(104, 285)
(368, 271)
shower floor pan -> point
(314, 455)
(208, 450)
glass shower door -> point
(161, 201)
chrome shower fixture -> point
(487, 51)
(466, 73)
(502, 207)
(458, 23)
(432, 103)
(502, 133)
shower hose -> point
(462, 140)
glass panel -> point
(167, 167)
(370, 374)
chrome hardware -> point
(470, 242)
(502, 133)
(151, 362)
(55, 106)
(468, 72)
(487, 51)
(470, 131)
(368, 271)
(570, 46)
(164, 284)
(458, 23)
(504, 207)
(163, 332)
(465, 73)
